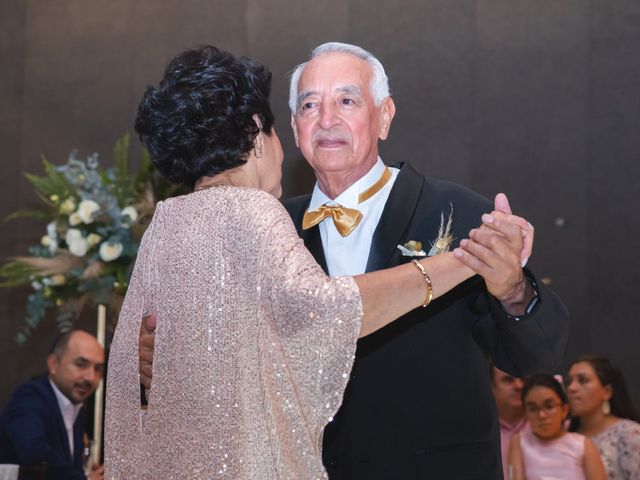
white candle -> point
(97, 411)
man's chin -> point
(80, 397)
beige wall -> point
(538, 98)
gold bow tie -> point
(345, 219)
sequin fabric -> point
(619, 447)
(253, 348)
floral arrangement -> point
(95, 218)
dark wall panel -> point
(537, 98)
(614, 182)
(281, 34)
(531, 131)
(431, 76)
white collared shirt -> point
(348, 255)
(69, 413)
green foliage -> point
(15, 273)
(95, 218)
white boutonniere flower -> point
(444, 239)
(412, 249)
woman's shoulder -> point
(224, 198)
(619, 431)
(625, 427)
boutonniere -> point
(444, 239)
(412, 249)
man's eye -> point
(348, 101)
(306, 106)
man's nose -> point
(328, 115)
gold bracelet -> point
(427, 280)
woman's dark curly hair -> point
(199, 120)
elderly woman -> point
(254, 343)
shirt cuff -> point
(534, 301)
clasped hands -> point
(497, 251)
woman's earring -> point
(606, 407)
(258, 146)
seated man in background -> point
(44, 418)
(507, 390)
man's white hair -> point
(379, 81)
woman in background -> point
(547, 451)
(603, 411)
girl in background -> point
(548, 451)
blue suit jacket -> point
(32, 431)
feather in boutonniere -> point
(444, 239)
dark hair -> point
(544, 380)
(609, 374)
(199, 120)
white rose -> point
(86, 209)
(130, 212)
(68, 206)
(58, 279)
(36, 285)
(77, 244)
(110, 251)
(72, 234)
(47, 241)
(74, 219)
(51, 231)
(93, 239)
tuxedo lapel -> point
(78, 441)
(311, 237)
(313, 242)
(395, 220)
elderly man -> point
(44, 418)
(419, 403)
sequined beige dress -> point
(253, 349)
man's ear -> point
(295, 129)
(387, 111)
(52, 364)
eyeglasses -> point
(548, 409)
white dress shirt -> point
(348, 255)
(69, 412)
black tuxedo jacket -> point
(32, 431)
(419, 403)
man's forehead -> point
(337, 89)
(337, 68)
(85, 347)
